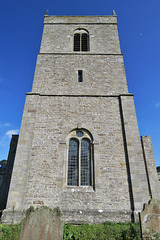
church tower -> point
(79, 146)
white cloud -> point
(5, 124)
(12, 132)
(157, 105)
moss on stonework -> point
(57, 212)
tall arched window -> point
(80, 159)
(81, 40)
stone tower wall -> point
(150, 165)
(49, 154)
(57, 63)
(58, 75)
(58, 34)
(59, 104)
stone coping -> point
(80, 19)
(69, 95)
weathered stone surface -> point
(135, 162)
(80, 19)
(150, 165)
(150, 220)
(101, 105)
(57, 74)
(42, 224)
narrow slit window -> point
(80, 76)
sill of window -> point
(79, 189)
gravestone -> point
(42, 224)
(150, 220)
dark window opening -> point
(80, 76)
(85, 42)
(77, 42)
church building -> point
(79, 146)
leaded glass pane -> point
(85, 42)
(79, 133)
(77, 42)
(73, 162)
(85, 163)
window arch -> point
(80, 159)
(81, 40)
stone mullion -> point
(79, 165)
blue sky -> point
(21, 25)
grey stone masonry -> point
(18, 186)
(57, 75)
(103, 34)
(151, 171)
(100, 107)
(136, 168)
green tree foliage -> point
(105, 231)
(9, 232)
(3, 163)
(158, 169)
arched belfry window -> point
(80, 159)
(81, 40)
